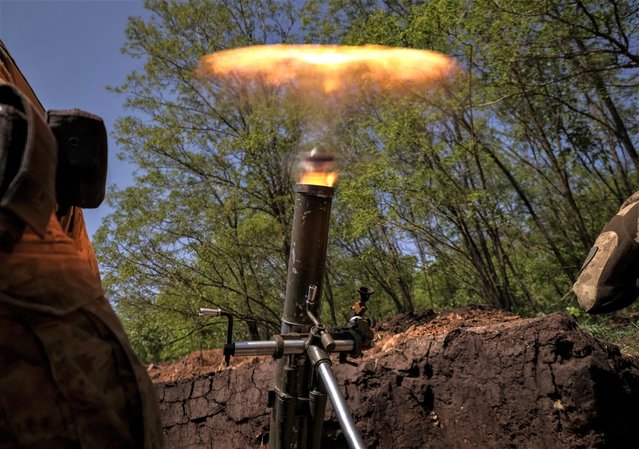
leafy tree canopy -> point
(491, 191)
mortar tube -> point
(309, 241)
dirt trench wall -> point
(525, 383)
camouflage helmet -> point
(27, 175)
(609, 278)
(28, 160)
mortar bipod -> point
(315, 346)
(322, 368)
(311, 344)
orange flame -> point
(330, 68)
(318, 169)
(319, 178)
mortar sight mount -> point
(347, 341)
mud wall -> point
(526, 383)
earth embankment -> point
(471, 378)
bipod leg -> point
(317, 406)
(322, 364)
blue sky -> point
(69, 50)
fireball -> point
(330, 68)
(324, 80)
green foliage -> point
(491, 189)
(620, 329)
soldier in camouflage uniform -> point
(609, 277)
(68, 376)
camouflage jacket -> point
(68, 376)
(609, 276)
